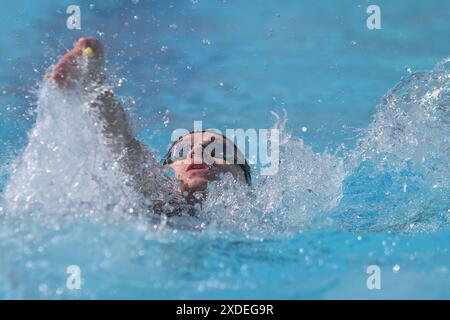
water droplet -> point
(165, 118)
(206, 42)
(43, 287)
(396, 268)
(164, 49)
(304, 129)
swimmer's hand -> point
(82, 64)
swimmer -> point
(196, 158)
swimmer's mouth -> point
(197, 167)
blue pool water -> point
(367, 183)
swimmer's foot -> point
(83, 64)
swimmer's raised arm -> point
(116, 128)
(84, 65)
(82, 69)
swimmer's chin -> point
(195, 184)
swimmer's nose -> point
(195, 155)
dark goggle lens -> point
(181, 152)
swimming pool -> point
(364, 176)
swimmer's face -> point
(201, 157)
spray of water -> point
(398, 170)
(66, 200)
(396, 179)
(398, 175)
(65, 169)
(68, 170)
